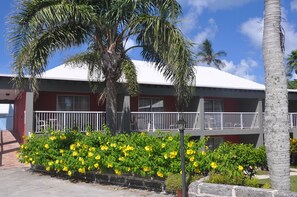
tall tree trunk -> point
(276, 128)
(111, 104)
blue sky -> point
(234, 26)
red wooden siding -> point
(19, 115)
(231, 105)
(232, 138)
(47, 101)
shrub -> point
(135, 153)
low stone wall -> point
(110, 179)
(202, 189)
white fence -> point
(61, 120)
(151, 121)
(231, 120)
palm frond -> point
(130, 73)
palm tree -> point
(41, 27)
(292, 62)
(276, 103)
(207, 55)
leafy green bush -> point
(135, 153)
(241, 179)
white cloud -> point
(208, 32)
(243, 69)
(293, 5)
(253, 29)
(214, 5)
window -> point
(73, 103)
(151, 105)
(213, 105)
(214, 142)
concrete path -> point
(293, 172)
(21, 182)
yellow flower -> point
(96, 165)
(196, 170)
(113, 145)
(46, 146)
(129, 148)
(65, 169)
(72, 147)
(22, 146)
(195, 164)
(69, 173)
(160, 174)
(170, 138)
(165, 156)
(163, 145)
(57, 161)
(240, 168)
(109, 165)
(48, 168)
(75, 153)
(192, 158)
(128, 169)
(104, 147)
(78, 144)
(33, 162)
(30, 159)
(81, 170)
(90, 154)
(117, 172)
(62, 151)
(88, 133)
(97, 157)
(190, 144)
(52, 133)
(190, 152)
(146, 169)
(148, 148)
(172, 154)
(53, 138)
(203, 153)
(63, 137)
(92, 149)
(214, 165)
(50, 163)
(206, 147)
(121, 158)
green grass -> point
(293, 183)
(262, 172)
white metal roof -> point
(147, 74)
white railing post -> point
(291, 120)
(64, 121)
(97, 121)
(154, 122)
(222, 124)
(241, 121)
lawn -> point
(293, 182)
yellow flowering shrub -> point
(138, 153)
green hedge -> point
(136, 153)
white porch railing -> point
(61, 120)
(293, 120)
(151, 121)
(231, 120)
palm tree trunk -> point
(111, 104)
(276, 103)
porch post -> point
(124, 108)
(260, 140)
(201, 116)
(29, 116)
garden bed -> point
(124, 180)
